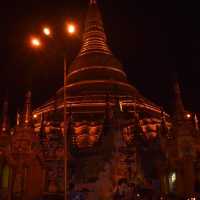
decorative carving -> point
(128, 134)
(87, 133)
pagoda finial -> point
(94, 37)
(5, 125)
(182, 125)
(179, 107)
(27, 113)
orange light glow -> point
(47, 31)
(188, 116)
(121, 106)
(35, 42)
(71, 28)
(35, 116)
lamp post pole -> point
(37, 43)
(66, 177)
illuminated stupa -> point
(96, 88)
(95, 74)
(113, 133)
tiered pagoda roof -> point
(95, 72)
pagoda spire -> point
(179, 113)
(96, 70)
(27, 113)
(94, 37)
(181, 125)
(5, 123)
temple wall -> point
(34, 183)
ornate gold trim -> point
(97, 67)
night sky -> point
(152, 38)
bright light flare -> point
(47, 31)
(188, 116)
(71, 28)
(35, 42)
(35, 116)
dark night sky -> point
(152, 38)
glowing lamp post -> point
(71, 28)
(188, 115)
(66, 151)
(35, 42)
(47, 31)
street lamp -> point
(188, 115)
(35, 42)
(71, 29)
(47, 31)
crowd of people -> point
(122, 191)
